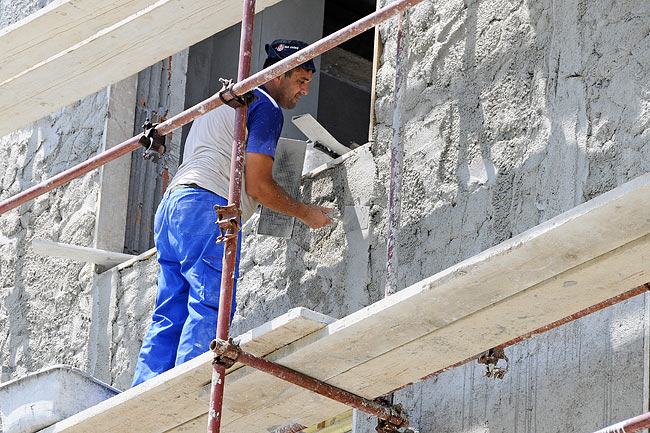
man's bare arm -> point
(261, 186)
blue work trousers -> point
(184, 320)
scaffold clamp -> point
(490, 359)
(229, 98)
(397, 412)
(152, 141)
(225, 352)
(228, 219)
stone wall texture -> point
(515, 111)
(46, 302)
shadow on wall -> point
(507, 107)
(504, 108)
(325, 270)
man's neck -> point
(271, 90)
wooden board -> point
(114, 53)
(176, 396)
(56, 27)
(580, 258)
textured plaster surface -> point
(12, 11)
(45, 302)
(135, 295)
(579, 377)
(515, 111)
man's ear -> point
(274, 82)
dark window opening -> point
(346, 74)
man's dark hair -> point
(281, 49)
(270, 61)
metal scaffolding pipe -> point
(234, 199)
(606, 303)
(234, 353)
(631, 425)
(211, 103)
(397, 156)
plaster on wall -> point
(46, 304)
(516, 110)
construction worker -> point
(185, 315)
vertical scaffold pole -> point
(397, 156)
(234, 198)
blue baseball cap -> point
(283, 48)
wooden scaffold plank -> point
(112, 54)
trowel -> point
(353, 218)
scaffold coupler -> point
(228, 218)
(490, 359)
(225, 353)
(152, 141)
(397, 411)
(229, 98)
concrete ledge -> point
(40, 399)
(81, 254)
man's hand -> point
(316, 216)
(261, 186)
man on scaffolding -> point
(184, 320)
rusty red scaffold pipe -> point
(631, 425)
(233, 353)
(234, 199)
(211, 103)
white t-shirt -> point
(208, 150)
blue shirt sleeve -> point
(264, 123)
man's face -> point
(293, 87)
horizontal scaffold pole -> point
(631, 425)
(231, 353)
(575, 316)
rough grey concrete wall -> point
(579, 377)
(43, 298)
(515, 112)
(134, 298)
(45, 303)
(50, 308)
(326, 270)
(12, 11)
